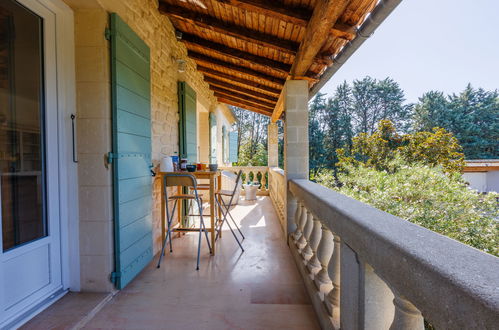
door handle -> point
(73, 136)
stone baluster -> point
(264, 181)
(332, 300)
(313, 264)
(324, 254)
(307, 251)
(245, 175)
(301, 242)
(299, 210)
(407, 316)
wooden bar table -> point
(215, 182)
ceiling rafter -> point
(297, 16)
(242, 33)
(229, 93)
(241, 101)
(244, 106)
(232, 87)
(201, 58)
(250, 83)
(236, 54)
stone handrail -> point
(367, 269)
(277, 192)
(254, 173)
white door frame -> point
(67, 169)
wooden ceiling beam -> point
(326, 13)
(211, 23)
(297, 16)
(244, 106)
(236, 54)
(231, 87)
(201, 58)
(218, 74)
(244, 102)
(245, 98)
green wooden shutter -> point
(131, 155)
(213, 138)
(187, 124)
(224, 145)
(233, 147)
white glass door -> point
(30, 258)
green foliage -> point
(378, 150)
(418, 178)
(426, 196)
(252, 155)
(374, 100)
(472, 116)
(353, 109)
(252, 137)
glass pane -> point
(21, 136)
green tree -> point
(418, 178)
(338, 124)
(252, 137)
(472, 116)
(378, 150)
(428, 113)
(374, 100)
(316, 132)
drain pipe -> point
(377, 16)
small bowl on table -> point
(213, 167)
(191, 168)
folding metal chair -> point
(182, 180)
(225, 208)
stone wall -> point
(94, 118)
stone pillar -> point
(295, 95)
(296, 129)
(273, 145)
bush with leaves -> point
(377, 150)
(426, 196)
(418, 178)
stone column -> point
(295, 95)
(273, 145)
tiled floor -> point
(67, 312)
(258, 289)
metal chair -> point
(182, 180)
(225, 208)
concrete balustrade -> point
(298, 232)
(313, 265)
(304, 242)
(366, 269)
(324, 253)
(277, 192)
(252, 173)
(332, 300)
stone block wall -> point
(94, 118)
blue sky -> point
(431, 45)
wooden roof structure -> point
(247, 49)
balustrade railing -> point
(366, 269)
(277, 192)
(252, 174)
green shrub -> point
(425, 195)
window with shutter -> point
(233, 155)
(187, 122)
